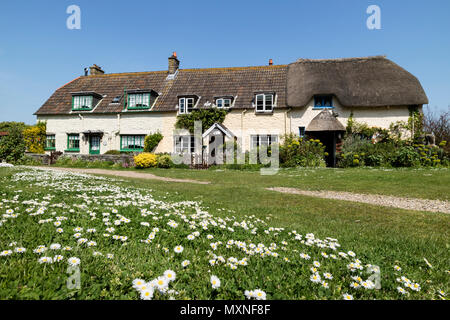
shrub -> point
(114, 152)
(405, 157)
(164, 161)
(301, 152)
(151, 141)
(12, 146)
(145, 160)
(34, 137)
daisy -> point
(178, 249)
(20, 250)
(328, 276)
(45, 260)
(191, 237)
(315, 278)
(249, 294)
(6, 253)
(401, 290)
(397, 268)
(260, 295)
(58, 258)
(185, 263)
(55, 246)
(325, 285)
(147, 293)
(138, 283)
(60, 230)
(162, 283)
(316, 264)
(347, 296)
(215, 282)
(170, 275)
(73, 261)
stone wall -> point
(122, 158)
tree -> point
(438, 124)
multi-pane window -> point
(323, 102)
(184, 144)
(73, 142)
(139, 100)
(223, 103)
(132, 142)
(263, 140)
(186, 105)
(50, 142)
(82, 102)
(264, 102)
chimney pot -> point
(270, 62)
(174, 63)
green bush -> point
(12, 146)
(151, 141)
(113, 152)
(301, 152)
(164, 161)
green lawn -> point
(380, 236)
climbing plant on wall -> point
(207, 116)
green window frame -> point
(82, 102)
(73, 143)
(50, 142)
(132, 142)
(136, 101)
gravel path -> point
(126, 174)
(376, 199)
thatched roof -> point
(356, 82)
(325, 121)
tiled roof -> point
(240, 82)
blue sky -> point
(38, 53)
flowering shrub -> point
(296, 151)
(164, 161)
(34, 137)
(145, 160)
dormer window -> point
(85, 100)
(264, 102)
(223, 102)
(139, 101)
(82, 102)
(323, 101)
(185, 105)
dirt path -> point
(126, 174)
(376, 199)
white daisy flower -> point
(170, 275)
(185, 263)
(215, 282)
(347, 296)
(74, 261)
(178, 249)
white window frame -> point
(269, 138)
(185, 102)
(82, 102)
(139, 98)
(222, 102)
(264, 105)
(184, 144)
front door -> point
(94, 144)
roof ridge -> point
(342, 59)
(189, 70)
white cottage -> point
(99, 112)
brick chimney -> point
(173, 63)
(95, 69)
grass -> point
(381, 236)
